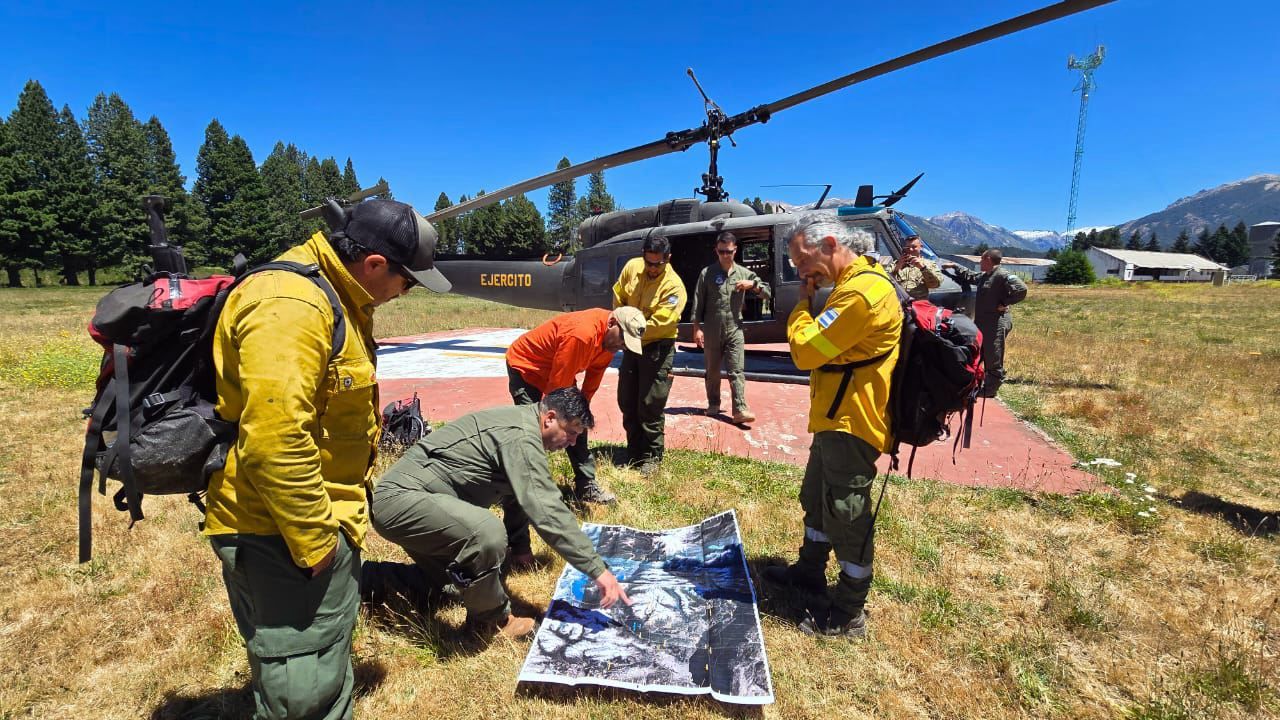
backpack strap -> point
(313, 273)
(92, 444)
(847, 369)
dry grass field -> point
(1152, 599)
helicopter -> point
(584, 279)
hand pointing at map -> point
(610, 590)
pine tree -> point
(461, 227)
(234, 199)
(282, 180)
(980, 248)
(33, 134)
(1219, 245)
(484, 229)
(1052, 253)
(15, 196)
(1181, 244)
(596, 201)
(1072, 268)
(561, 202)
(1135, 241)
(71, 189)
(522, 231)
(1153, 244)
(1110, 238)
(450, 241)
(1080, 242)
(350, 185)
(185, 220)
(118, 153)
(758, 206)
(1235, 246)
(768, 208)
(1206, 246)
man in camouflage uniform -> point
(717, 303)
(997, 290)
(916, 274)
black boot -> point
(809, 572)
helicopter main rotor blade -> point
(684, 139)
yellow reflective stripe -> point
(812, 335)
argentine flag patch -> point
(828, 317)
(673, 300)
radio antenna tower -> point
(1086, 66)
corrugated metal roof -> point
(1147, 259)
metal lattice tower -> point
(1086, 66)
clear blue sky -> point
(481, 95)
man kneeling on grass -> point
(434, 502)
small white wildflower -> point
(1128, 481)
(1144, 514)
(1130, 476)
(1148, 498)
(1148, 489)
(1151, 509)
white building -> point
(1145, 265)
(1029, 269)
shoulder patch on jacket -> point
(673, 300)
(827, 317)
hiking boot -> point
(513, 627)
(838, 624)
(591, 492)
(711, 411)
(797, 577)
(744, 417)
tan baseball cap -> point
(632, 322)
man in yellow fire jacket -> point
(650, 284)
(851, 348)
(288, 514)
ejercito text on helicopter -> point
(585, 279)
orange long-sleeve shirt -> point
(551, 355)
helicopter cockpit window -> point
(596, 279)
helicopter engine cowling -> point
(598, 228)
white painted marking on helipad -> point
(479, 355)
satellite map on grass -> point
(693, 627)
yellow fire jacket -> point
(862, 320)
(308, 427)
(660, 300)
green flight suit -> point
(995, 288)
(434, 502)
(717, 308)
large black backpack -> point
(938, 375)
(152, 425)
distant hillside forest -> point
(1227, 247)
(71, 191)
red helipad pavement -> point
(458, 372)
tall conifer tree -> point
(1182, 243)
(118, 153)
(1153, 244)
(450, 241)
(522, 231)
(15, 191)
(561, 208)
(350, 185)
(185, 220)
(1135, 241)
(282, 180)
(33, 134)
(71, 188)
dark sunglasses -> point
(726, 252)
(660, 263)
(410, 280)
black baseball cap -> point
(397, 232)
